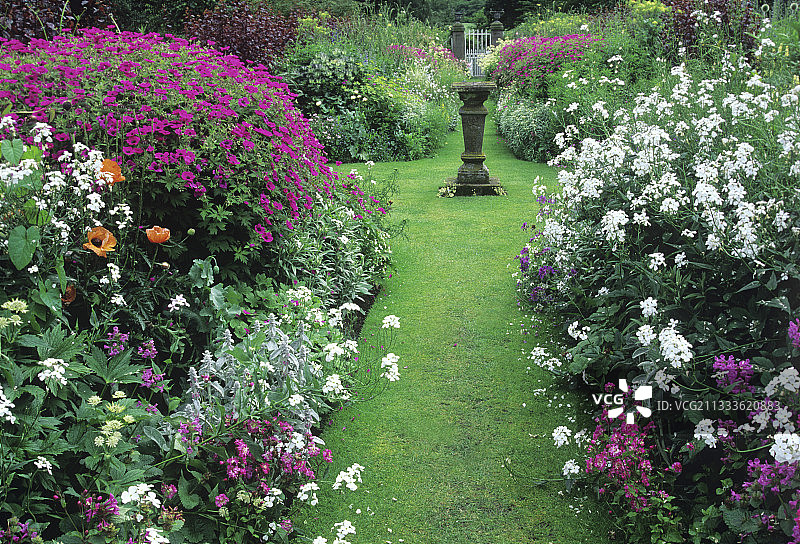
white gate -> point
(477, 42)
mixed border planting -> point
(669, 253)
(184, 280)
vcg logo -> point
(643, 392)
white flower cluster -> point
(786, 448)
(5, 407)
(343, 529)
(675, 349)
(333, 386)
(611, 225)
(301, 294)
(788, 380)
(389, 362)
(542, 358)
(152, 535)
(578, 333)
(649, 307)
(391, 321)
(351, 306)
(561, 435)
(571, 467)
(645, 335)
(176, 303)
(140, 493)
(349, 477)
(666, 382)
(332, 350)
(43, 464)
(54, 370)
(704, 430)
(644, 155)
(307, 493)
(114, 274)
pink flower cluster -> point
(526, 61)
(794, 332)
(287, 455)
(155, 99)
(98, 511)
(619, 453)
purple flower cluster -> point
(794, 332)
(619, 454)
(19, 534)
(116, 342)
(98, 511)
(156, 96)
(190, 433)
(148, 350)
(286, 457)
(734, 372)
(151, 380)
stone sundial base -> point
(473, 176)
(454, 187)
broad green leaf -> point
(153, 434)
(22, 244)
(189, 500)
(12, 150)
(49, 295)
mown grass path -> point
(434, 443)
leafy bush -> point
(366, 100)
(705, 30)
(25, 19)
(529, 128)
(210, 144)
(253, 31)
(670, 255)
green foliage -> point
(375, 99)
(528, 127)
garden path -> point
(434, 443)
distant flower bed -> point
(527, 61)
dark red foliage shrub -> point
(26, 19)
(735, 23)
(251, 31)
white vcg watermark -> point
(643, 392)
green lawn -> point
(434, 443)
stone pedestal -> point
(473, 176)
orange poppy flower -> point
(158, 235)
(112, 168)
(100, 241)
(69, 295)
